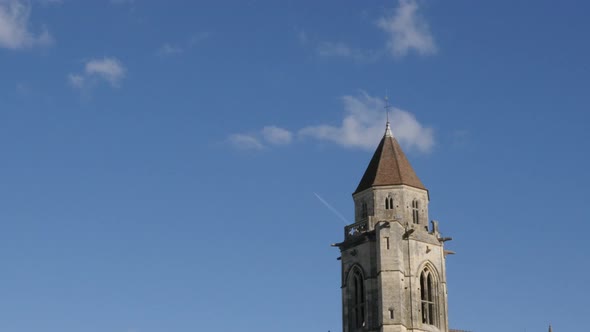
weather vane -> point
(387, 106)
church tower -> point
(393, 260)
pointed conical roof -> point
(389, 166)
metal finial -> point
(387, 127)
(387, 107)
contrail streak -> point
(332, 209)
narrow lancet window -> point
(428, 297)
(357, 292)
(415, 212)
(364, 210)
(389, 203)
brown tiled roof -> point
(389, 166)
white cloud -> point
(76, 80)
(276, 135)
(14, 27)
(106, 69)
(168, 49)
(407, 31)
(270, 134)
(363, 126)
(245, 142)
(109, 69)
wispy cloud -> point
(14, 27)
(76, 80)
(109, 69)
(363, 126)
(169, 49)
(407, 31)
(106, 69)
(271, 135)
(277, 136)
(245, 142)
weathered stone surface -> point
(392, 244)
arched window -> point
(364, 210)
(415, 212)
(388, 203)
(428, 297)
(357, 298)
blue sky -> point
(160, 159)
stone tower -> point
(393, 261)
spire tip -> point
(387, 126)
